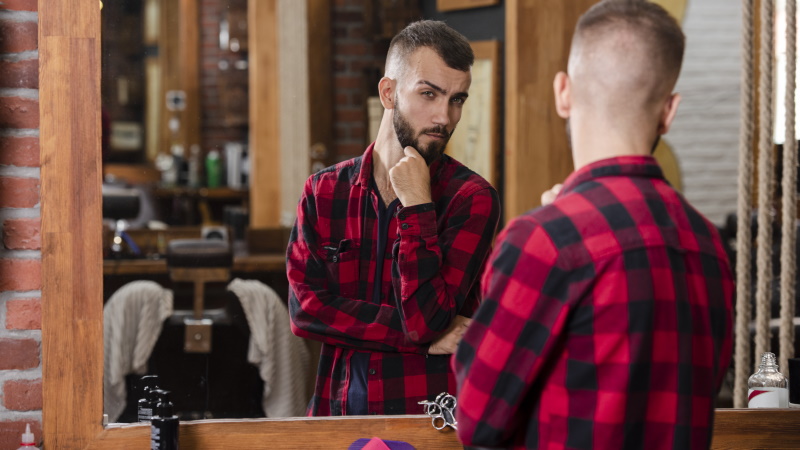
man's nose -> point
(441, 116)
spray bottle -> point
(164, 424)
(147, 403)
(27, 439)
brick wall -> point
(357, 67)
(215, 132)
(705, 134)
(20, 256)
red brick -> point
(347, 82)
(23, 395)
(19, 74)
(20, 5)
(19, 192)
(22, 234)
(350, 49)
(18, 354)
(11, 433)
(19, 151)
(24, 314)
(20, 274)
(19, 112)
(350, 115)
(18, 36)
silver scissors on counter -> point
(442, 411)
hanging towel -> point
(132, 321)
(283, 360)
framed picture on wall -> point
(452, 5)
(476, 144)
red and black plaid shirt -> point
(433, 259)
(606, 321)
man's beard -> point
(407, 137)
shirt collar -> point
(630, 166)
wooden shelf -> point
(222, 193)
(250, 263)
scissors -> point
(442, 409)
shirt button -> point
(335, 259)
(372, 371)
(404, 226)
(401, 216)
(374, 413)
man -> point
(606, 319)
(384, 258)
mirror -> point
(69, 58)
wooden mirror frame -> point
(72, 329)
(72, 307)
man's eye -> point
(428, 94)
(459, 100)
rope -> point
(743, 241)
(789, 188)
(766, 181)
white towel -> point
(132, 321)
(283, 360)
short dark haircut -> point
(656, 27)
(448, 43)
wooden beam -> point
(189, 71)
(265, 165)
(537, 156)
(72, 326)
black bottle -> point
(147, 403)
(164, 424)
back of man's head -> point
(631, 50)
(448, 43)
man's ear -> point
(668, 113)
(561, 89)
(386, 88)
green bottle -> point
(212, 169)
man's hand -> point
(447, 343)
(411, 179)
(550, 195)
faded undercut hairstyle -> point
(653, 24)
(448, 43)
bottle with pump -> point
(147, 403)
(27, 439)
(767, 388)
(164, 424)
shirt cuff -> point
(417, 220)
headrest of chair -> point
(120, 203)
(199, 253)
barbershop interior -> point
(174, 140)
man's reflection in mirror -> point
(384, 256)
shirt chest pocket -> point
(342, 261)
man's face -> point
(428, 103)
(409, 137)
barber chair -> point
(201, 354)
(120, 205)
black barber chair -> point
(201, 354)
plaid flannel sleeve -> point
(512, 334)
(317, 313)
(435, 271)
